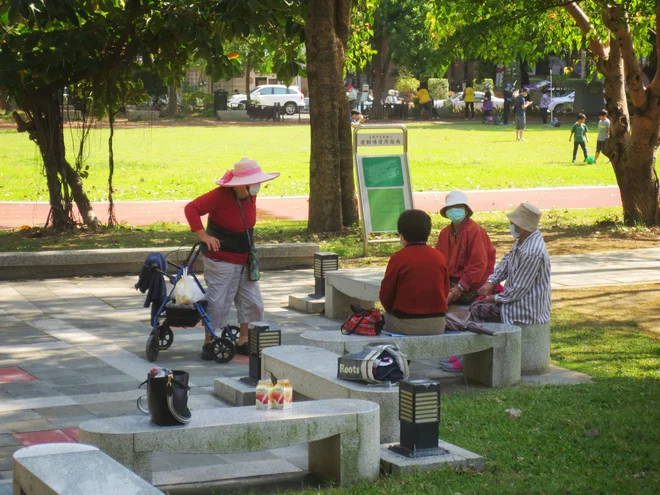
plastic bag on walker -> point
(187, 291)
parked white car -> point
(237, 101)
(290, 99)
(563, 103)
(457, 101)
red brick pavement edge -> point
(16, 214)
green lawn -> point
(183, 162)
(602, 437)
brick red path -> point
(15, 214)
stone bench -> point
(148, 115)
(343, 436)
(313, 374)
(493, 361)
(362, 285)
(57, 264)
(71, 468)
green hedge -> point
(439, 88)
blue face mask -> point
(512, 228)
(456, 215)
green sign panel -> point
(385, 206)
(382, 171)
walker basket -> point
(182, 315)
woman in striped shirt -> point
(526, 269)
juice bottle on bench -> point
(264, 394)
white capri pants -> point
(227, 283)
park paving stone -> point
(13, 375)
(28, 439)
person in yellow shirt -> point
(425, 100)
(468, 98)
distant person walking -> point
(508, 101)
(579, 130)
(352, 96)
(520, 108)
(544, 104)
(468, 99)
(603, 133)
(487, 105)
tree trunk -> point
(248, 69)
(45, 128)
(332, 202)
(632, 154)
(381, 64)
(173, 101)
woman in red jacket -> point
(414, 289)
(232, 211)
(467, 248)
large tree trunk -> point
(381, 65)
(632, 153)
(45, 128)
(332, 202)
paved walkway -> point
(73, 350)
(16, 214)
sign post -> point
(384, 185)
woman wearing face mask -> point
(466, 246)
(232, 211)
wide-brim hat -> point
(391, 92)
(245, 173)
(456, 198)
(526, 216)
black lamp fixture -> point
(323, 263)
(419, 416)
(260, 337)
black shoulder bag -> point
(253, 256)
(167, 398)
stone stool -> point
(535, 348)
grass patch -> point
(596, 438)
(180, 162)
(565, 231)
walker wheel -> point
(165, 337)
(152, 347)
(223, 350)
(231, 332)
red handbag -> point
(363, 322)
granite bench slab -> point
(73, 469)
(313, 374)
(342, 436)
(493, 361)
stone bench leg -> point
(120, 448)
(348, 458)
(338, 304)
(498, 367)
(535, 348)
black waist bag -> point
(167, 398)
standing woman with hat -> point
(526, 269)
(467, 248)
(232, 214)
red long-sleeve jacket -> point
(470, 254)
(415, 282)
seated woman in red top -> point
(466, 246)
(415, 287)
(232, 211)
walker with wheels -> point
(170, 314)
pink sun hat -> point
(245, 173)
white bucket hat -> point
(245, 173)
(456, 198)
(391, 92)
(526, 216)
